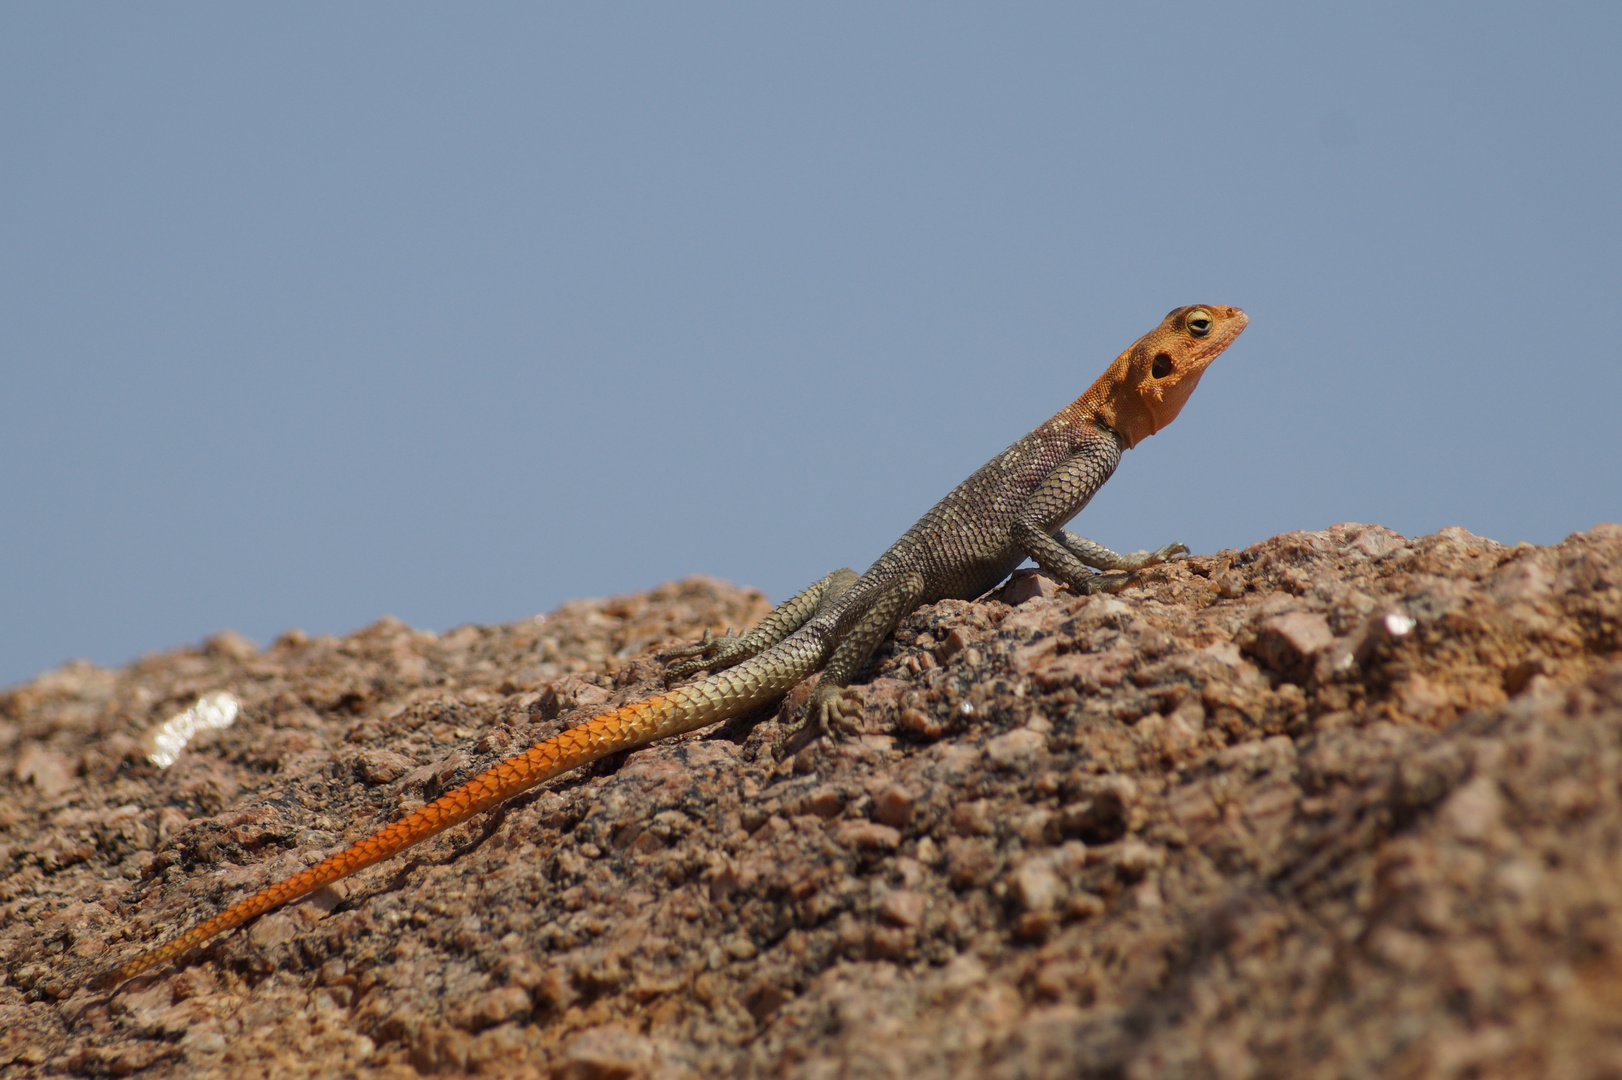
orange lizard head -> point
(1145, 388)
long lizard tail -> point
(685, 708)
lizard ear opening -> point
(1199, 322)
(1162, 365)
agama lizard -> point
(1014, 506)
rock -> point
(1340, 782)
(1286, 643)
(903, 907)
(1028, 585)
(1017, 749)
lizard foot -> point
(1141, 560)
(1161, 554)
(711, 652)
(1138, 560)
(1114, 583)
(829, 709)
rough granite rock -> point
(1339, 805)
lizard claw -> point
(1161, 554)
(1113, 583)
(796, 738)
(701, 645)
(1142, 560)
(841, 710)
(829, 710)
(1133, 564)
(1138, 561)
(711, 652)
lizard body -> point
(1014, 506)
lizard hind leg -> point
(711, 653)
(832, 706)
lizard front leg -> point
(1062, 495)
(713, 653)
(1059, 561)
(870, 621)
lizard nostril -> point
(1162, 365)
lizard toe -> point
(796, 737)
(829, 710)
(706, 654)
(1114, 583)
(841, 711)
(1161, 554)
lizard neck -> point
(1079, 423)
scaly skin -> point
(1014, 506)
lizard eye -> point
(1162, 365)
(1199, 322)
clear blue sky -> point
(311, 313)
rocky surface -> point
(1341, 804)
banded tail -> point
(685, 708)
